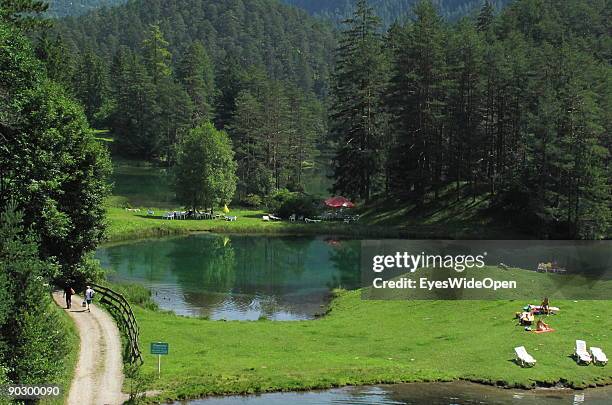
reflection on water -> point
(238, 277)
(428, 393)
(143, 184)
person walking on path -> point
(68, 293)
(89, 294)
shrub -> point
(252, 201)
(277, 199)
(285, 203)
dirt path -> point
(98, 377)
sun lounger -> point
(231, 219)
(274, 218)
(312, 221)
(523, 358)
(599, 357)
(266, 218)
(581, 354)
(168, 215)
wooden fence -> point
(124, 315)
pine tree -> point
(196, 73)
(91, 83)
(175, 117)
(157, 57)
(136, 117)
(486, 17)
(57, 57)
(466, 152)
(417, 105)
(357, 107)
(230, 85)
(307, 127)
(246, 127)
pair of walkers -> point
(69, 292)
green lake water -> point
(238, 277)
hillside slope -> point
(286, 41)
(336, 10)
(63, 8)
(390, 10)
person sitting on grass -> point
(525, 318)
(542, 326)
(545, 306)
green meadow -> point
(369, 342)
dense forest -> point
(151, 70)
(335, 10)
(390, 11)
(511, 107)
(64, 8)
(516, 107)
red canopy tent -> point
(339, 202)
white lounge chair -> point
(274, 218)
(599, 357)
(231, 219)
(168, 215)
(266, 218)
(523, 358)
(581, 354)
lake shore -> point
(388, 342)
(358, 342)
(126, 225)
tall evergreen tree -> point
(196, 73)
(486, 16)
(91, 83)
(57, 58)
(246, 126)
(465, 137)
(157, 57)
(358, 83)
(417, 105)
(135, 119)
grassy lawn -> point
(456, 220)
(367, 342)
(126, 225)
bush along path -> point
(98, 377)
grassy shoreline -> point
(397, 341)
(125, 225)
(390, 342)
(358, 342)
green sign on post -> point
(159, 348)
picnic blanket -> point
(543, 331)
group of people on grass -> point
(527, 316)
